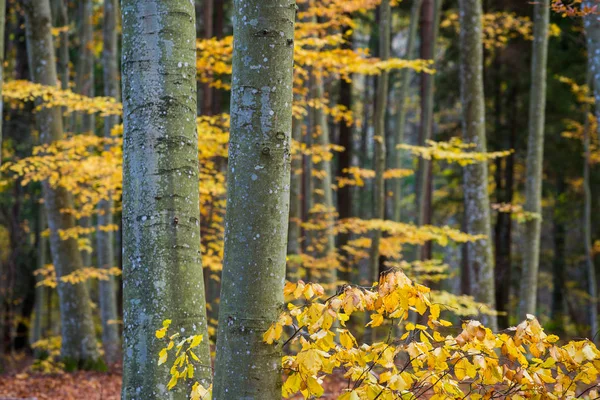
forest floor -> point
(21, 384)
(88, 386)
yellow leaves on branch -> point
(49, 97)
(409, 233)
(48, 277)
(573, 8)
(454, 151)
(318, 53)
(501, 27)
(355, 176)
(182, 367)
(427, 360)
(516, 211)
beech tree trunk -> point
(431, 10)
(535, 159)
(61, 19)
(379, 136)
(162, 267)
(324, 241)
(258, 193)
(79, 348)
(294, 247)
(405, 75)
(41, 292)
(111, 340)
(479, 259)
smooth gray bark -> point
(41, 292)
(111, 340)
(79, 349)
(379, 136)
(324, 241)
(256, 222)
(587, 233)
(84, 85)
(430, 21)
(405, 75)
(61, 19)
(535, 159)
(162, 267)
(480, 261)
(294, 230)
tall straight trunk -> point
(479, 260)
(40, 291)
(559, 262)
(345, 194)
(207, 91)
(430, 23)
(61, 18)
(257, 200)
(535, 159)
(405, 76)
(105, 239)
(84, 84)
(79, 347)
(504, 224)
(587, 231)
(294, 248)
(323, 195)
(162, 266)
(308, 184)
(2, 28)
(379, 136)
(591, 25)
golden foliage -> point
(452, 151)
(501, 27)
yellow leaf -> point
(162, 357)
(160, 333)
(196, 341)
(314, 387)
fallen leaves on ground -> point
(76, 386)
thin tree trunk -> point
(587, 233)
(405, 76)
(503, 229)
(591, 23)
(40, 291)
(324, 242)
(480, 262)
(379, 136)
(105, 239)
(559, 264)
(535, 159)
(257, 200)
(84, 84)
(430, 26)
(61, 18)
(294, 248)
(162, 267)
(79, 347)
(345, 194)
(207, 91)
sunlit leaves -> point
(452, 151)
(473, 363)
(183, 367)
